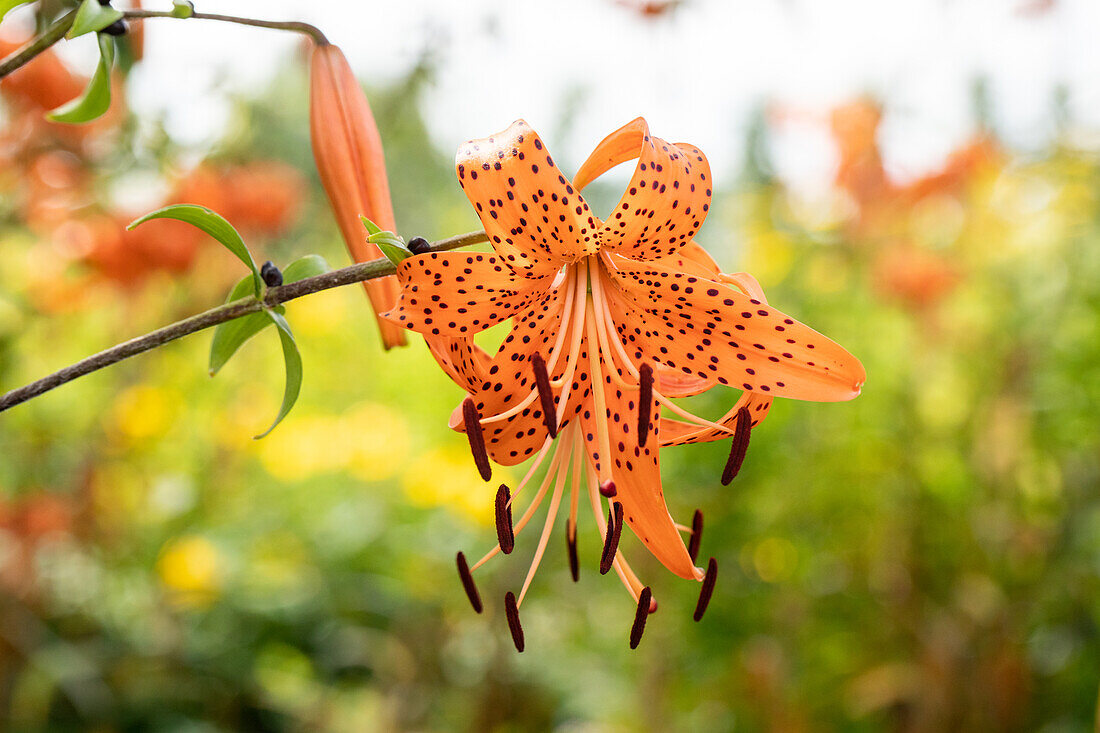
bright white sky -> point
(696, 74)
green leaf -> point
(293, 362)
(182, 9)
(8, 5)
(308, 266)
(92, 17)
(230, 336)
(395, 253)
(214, 225)
(372, 228)
(96, 98)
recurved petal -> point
(534, 217)
(459, 293)
(636, 472)
(460, 358)
(709, 329)
(348, 152)
(666, 200)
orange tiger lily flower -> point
(348, 151)
(611, 320)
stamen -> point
(512, 611)
(476, 438)
(607, 489)
(738, 446)
(571, 540)
(506, 536)
(640, 616)
(468, 582)
(696, 535)
(603, 324)
(611, 539)
(546, 396)
(573, 355)
(551, 515)
(708, 588)
(523, 520)
(622, 568)
(645, 401)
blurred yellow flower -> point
(442, 478)
(368, 440)
(190, 568)
(144, 411)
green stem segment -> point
(271, 298)
(61, 26)
(48, 37)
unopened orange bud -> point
(348, 152)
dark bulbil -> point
(118, 28)
(271, 274)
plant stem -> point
(49, 37)
(290, 25)
(271, 298)
(61, 26)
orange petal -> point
(535, 219)
(510, 379)
(711, 330)
(459, 293)
(666, 200)
(460, 358)
(348, 153)
(636, 472)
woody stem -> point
(221, 314)
(61, 26)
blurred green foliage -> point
(924, 558)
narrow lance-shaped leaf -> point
(91, 16)
(230, 336)
(372, 228)
(293, 361)
(96, 98)
(392, 246)
(214, 225)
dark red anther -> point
(645, 401)
(739, 445)
(574, 564)
(696, 535)
(476, 438)
(468, 582)
(506, 536)
(512, 611)
(607, 488)
(644, 601)
(611, 539)
(708, 588)
(546, 395)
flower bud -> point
(348, 153)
